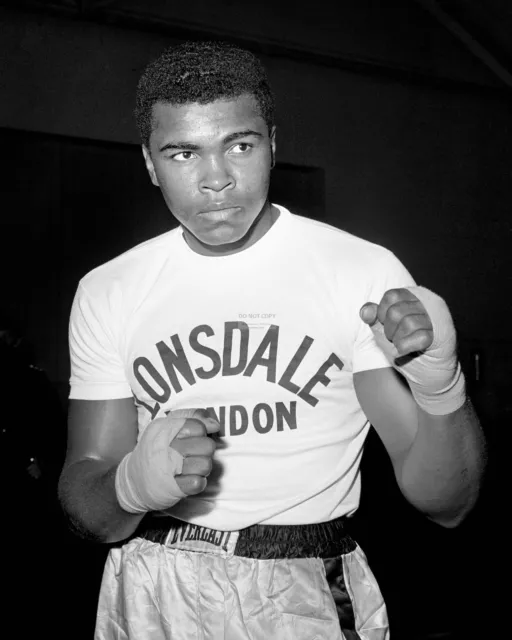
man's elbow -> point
(455, 514)
(451, 521)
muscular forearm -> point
(88, 497)
(441, 473)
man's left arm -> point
(419, 407)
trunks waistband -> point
(260, 541)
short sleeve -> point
(387, 273)
(97, 371)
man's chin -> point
(217, 242)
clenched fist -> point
(402, 318)
(171, 460)
(197, 450)
(414, 328)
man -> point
(224, 377)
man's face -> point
(212, 163)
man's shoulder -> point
(129, 267)
(335, 243)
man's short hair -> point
(201, 72)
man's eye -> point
(183, 156)
(241, 147)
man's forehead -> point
(219, 114)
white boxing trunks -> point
(177, 581)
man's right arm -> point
(111, 478)
(100, 434)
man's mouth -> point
(219, 214)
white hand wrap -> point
(145, 477)
(435, 377)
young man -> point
(224, 377)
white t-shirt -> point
(268, 337)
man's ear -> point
(149, 165)
(273, 147)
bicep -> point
(101, 429)
(387, 402)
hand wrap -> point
(434, 375)
(145, 478)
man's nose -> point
(216, 175)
